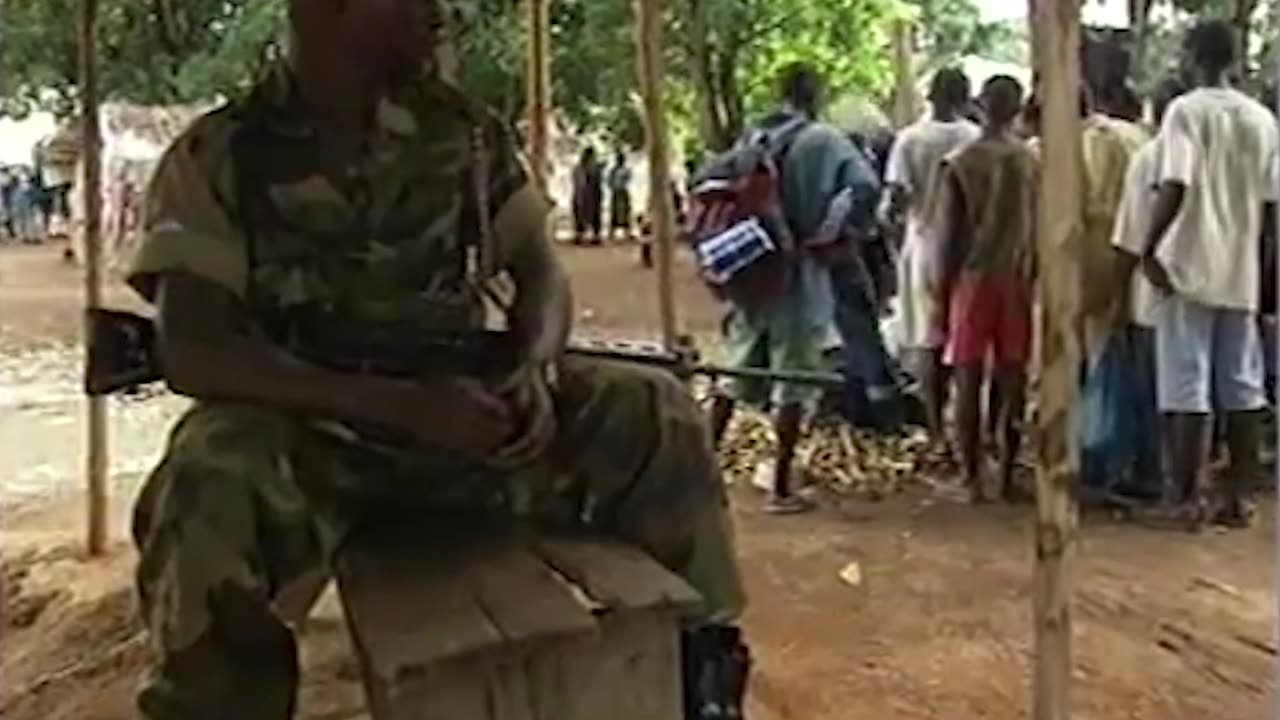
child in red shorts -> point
(987, 231)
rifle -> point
(122, 355)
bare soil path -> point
(1169, 626)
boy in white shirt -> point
(911, 176)
(1219, 180)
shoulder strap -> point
(480, 247)
(780, 139)
(250, 191)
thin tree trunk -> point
(735, 112)
(96, 461)
(1059, 226)
(167, 26)
(649, 56)
(711, 109)
(446, 54)
(904, 90)
(1139, 14)
(538, 33)
(1242, 20)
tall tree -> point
(734, 49)
(722, 55)
(154, 51)
(1162, 32)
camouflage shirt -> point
(251, 199)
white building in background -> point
(1105, 13)
(133, 139)
(1099, 13)
(18, 138)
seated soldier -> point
(300, 243)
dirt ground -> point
(938, 625)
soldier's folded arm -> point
(211, 351)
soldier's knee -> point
(678, 411)
(216, 455)
(656, 391)
(221, 430)
(681, 434)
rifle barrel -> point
(684, 366)
(800, 377)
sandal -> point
(1189, 516)
(1014, 493)
(1236, 515)
(789, 505)
(957, 493)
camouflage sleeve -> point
(187, 222)
(520, 207)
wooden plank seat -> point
(514, 627)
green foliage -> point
(846, 39)
(1166, 28)
(234, 53)
(168, 51)
(593, 63)
(954, 29)
(593, 67)
(149, 52)
(491, 53)
(37, 54)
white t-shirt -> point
(913, 165)
(1132, 223)
(1224, 147)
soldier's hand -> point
(528, 394)
(458, 415)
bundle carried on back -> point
(736, 223)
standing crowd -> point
(590, 179)
(1177, 251)
(26, 206)
(297, 251)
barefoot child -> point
(987, 223)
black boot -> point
(717, 665)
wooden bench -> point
(519, 628)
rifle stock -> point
(121, 355)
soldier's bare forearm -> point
(259, 374)
(546, 320)
(543, 312)
(209, 351)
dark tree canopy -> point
(722, 54)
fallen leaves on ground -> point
(831, 455)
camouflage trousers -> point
(247, 501)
